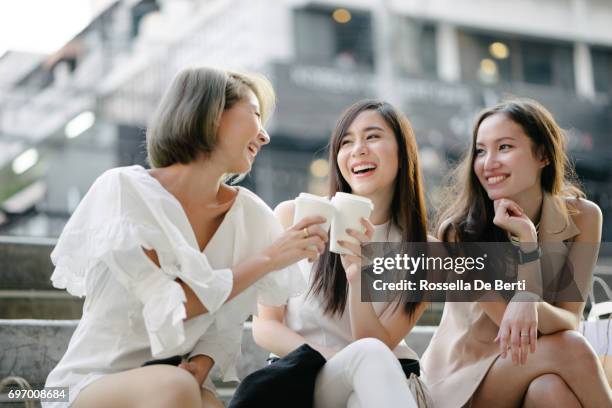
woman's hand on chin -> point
(511, 217)
(352, 262)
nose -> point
(359, 148)
(262, 137)
(491, 162)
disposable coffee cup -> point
(350, 209)
(307, 205)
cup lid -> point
(354, 197)
(308, 196)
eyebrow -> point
(498, 140)
(367, 129)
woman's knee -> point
(177, 387)
(373, 347)
(546, 390)
(575, 349)
(151, 386)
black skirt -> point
(290, 381)
(286, 382)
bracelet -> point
(526, 257)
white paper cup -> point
(350, 208)
(307, 205)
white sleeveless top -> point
(305, 314)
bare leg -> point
(156, 386)
(566, 354)
(209, 400)
(550, 391)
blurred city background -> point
(68, 114)
(79, 80)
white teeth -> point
(496, 179)
(363, 167)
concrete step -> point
(25, 263)
(39, 304)
(31, 348)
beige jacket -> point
(463, 349)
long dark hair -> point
(470, 216)
(408, 211)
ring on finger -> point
(524, 334)
(306, 233)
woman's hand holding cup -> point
(306, 239)
(351, 261)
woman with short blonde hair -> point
(173, 260)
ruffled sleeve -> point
(162, 297)
(118, 217)
(223, 345)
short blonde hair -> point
(184, 125)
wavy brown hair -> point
(470, 214)
(408, 211)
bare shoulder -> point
(284, 212)
(446, 232)
(587, 216)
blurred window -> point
(547, 64)
(602, 69)
(414, 47)
(140, 10)
(492, 59)
(333, 36)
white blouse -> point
(134, 310)
(305, 314)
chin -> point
(244, 167)
(506, 193)
(496, 195)
(364, 191)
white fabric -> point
(133, 310)
(306, 317)
(364, 374)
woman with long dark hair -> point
(516, 185)
(372, 153)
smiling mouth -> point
(253, 150)
(363, 169)
(496, 180)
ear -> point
(542, 157)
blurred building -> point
(67, 117)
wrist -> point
(202, 359)
(262, 264)
(528, 252)
(354, 283)
(526, 296)
(528, 237)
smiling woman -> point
(372, 153)
(158, 253)
(516, 184)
